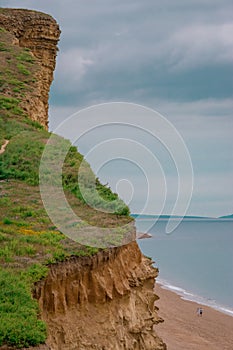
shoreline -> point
(183, 329)
(189, 296)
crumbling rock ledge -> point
(103, 302)
(40, 33)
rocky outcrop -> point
(101, 302)
(104, 301)
(39, 33)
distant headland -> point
(174, 217)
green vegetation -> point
(18, 71)
(22, 69)
(25, 56)
(3, 47)
(17, 85)
(29, 241)
(19, 324)
(11, 127)
(10, 104)
(22, 156)
(96, 194)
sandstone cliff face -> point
(39, 33)
(101, 302)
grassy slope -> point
(29, 241)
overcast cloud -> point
(173, 56)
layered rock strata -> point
(40, 33)
(101, 302)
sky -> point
(174, 57)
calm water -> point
(196, 260)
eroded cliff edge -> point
(40, 33)
(105, 301)
(101, 302)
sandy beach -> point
(182, 329)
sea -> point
(195, 260)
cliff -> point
(103, 302)
(89, 299)
(40, 33)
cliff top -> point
(17, 19)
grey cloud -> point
(134, 49)
(174, 56)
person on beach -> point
(199, 311)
